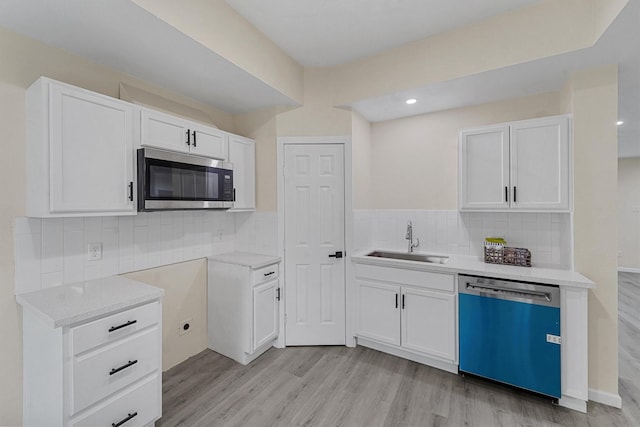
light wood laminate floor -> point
(338, 386)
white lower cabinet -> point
(414, 316)
(106, 371)
(378, 317)
(428, 322)
(243, 306)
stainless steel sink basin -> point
(432, 258)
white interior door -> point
(314, 229)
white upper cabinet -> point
(540, 164)
(242, 153)
(484, 168)
(79, 152)
(518, 166)
(168, 132)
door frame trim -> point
(348, 227)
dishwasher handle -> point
(519, 293)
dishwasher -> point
(509, 332)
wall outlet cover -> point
(94, 251)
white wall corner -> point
(605, 398)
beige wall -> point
(361, 161)
(185, 297)
(415, 159)
(595, 102)
(23, 61)
(220, 28)
(545, 28)
(316, 117)
(629, 212)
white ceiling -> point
(322, 33)
(619, 44)
(124, 36)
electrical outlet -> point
(554, 339)
(185, 326)
(94, 251)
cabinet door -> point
(209, 142)
(91, 153)
(429, 322)
(242, 153)
(540, 164)
(378, 311)
(265, 314)
(484, 168)
(161, 130)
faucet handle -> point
(417, 243)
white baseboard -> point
(605, 398)
(628, 270)
(573, 403)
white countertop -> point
(68, 304)
(246, 259)
(474, 266)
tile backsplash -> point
(546, 235)
(54, 251)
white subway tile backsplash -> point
(74, 255)
(52, 246)
(49, 280)
(27, 226)
(28, 252)
(50, 252)
(546, 235)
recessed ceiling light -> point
(411, 101)
(619, 122)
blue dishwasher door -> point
(507, 341)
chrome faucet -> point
(409, 237)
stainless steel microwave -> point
(174, 181)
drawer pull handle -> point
(129, 416)
(124, 325)
(116, 370)
(269, 273)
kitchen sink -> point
(431, 258)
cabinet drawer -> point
(112, 328)
(99, 373)
(263, 274)
(143, 400)
(423, 279)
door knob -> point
(336, 255)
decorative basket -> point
(508, 256)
